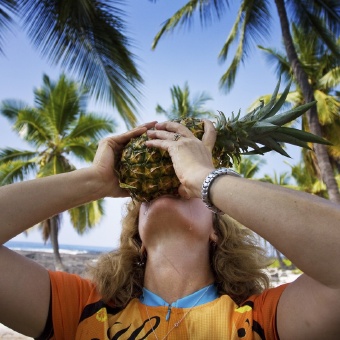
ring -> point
(177, 136)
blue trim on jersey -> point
(153, 300)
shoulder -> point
(70, 294)
(258, 313)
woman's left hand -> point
(191, 157)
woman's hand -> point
(106, 158)
(192, 158)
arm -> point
(303, 227)
(24, 285)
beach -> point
(77, 263)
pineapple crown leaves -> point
(264, 126)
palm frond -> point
(319, 16)
(10, 109)
(331, 79)
(86, 216)
(11, 155)
(280, 61)
(11, 172)
(54, 164)
(59, 102)
(249, 165)
(328, 107)
(81, 147)
(331, 132)
(328, 11)
(251, 26)
(183, 106)
(7, 9)
(33, 127)
(207, 10)
(87, 38)
(91, 126)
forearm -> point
(27, 203)
(303, 227)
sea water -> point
(63, 248)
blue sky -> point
(186, 55)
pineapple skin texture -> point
(147, 173)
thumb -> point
(183, 192)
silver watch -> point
(207, 184)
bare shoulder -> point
(24, 292)
(308, 310)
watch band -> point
(205, 193)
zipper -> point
(168, 313)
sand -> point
(77, 264)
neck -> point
(172, 273)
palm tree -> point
(183, 106)
(84, 37)
(249, 166)
(57, 127)
(278, 179)
(323, 71)
(306, 181)
(253, 24)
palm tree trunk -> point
(322, 156)
(58, 264)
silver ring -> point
(177, 136)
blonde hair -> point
(236, 260)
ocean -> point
(63, 248)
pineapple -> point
(148, 173)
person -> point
(177, 260)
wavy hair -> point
(236, 259)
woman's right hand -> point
(108, 154)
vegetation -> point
(253, 24)
(183, 106)
(323, 70)
(86, 38)
(56, 128)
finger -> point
(163, 144)
(183, 193)
(139, 130)
(174, 127)
(163, 134)
(210, 134)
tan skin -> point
(303, 227)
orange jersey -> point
(78, 313)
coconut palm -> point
(56, 128)
(253, 24)
(306, 181)
(323, 70)
(249, 166)
(87, 38)
(278, 179)
(184, 106)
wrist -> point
(207, 183)
(93, 183)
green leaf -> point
(303, 135)
(279, 103)
(288, 116)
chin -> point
(173, 207)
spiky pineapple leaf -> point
(261, 128)
(277, 106)
(266, 108)
(288, 116)
(303, 135)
